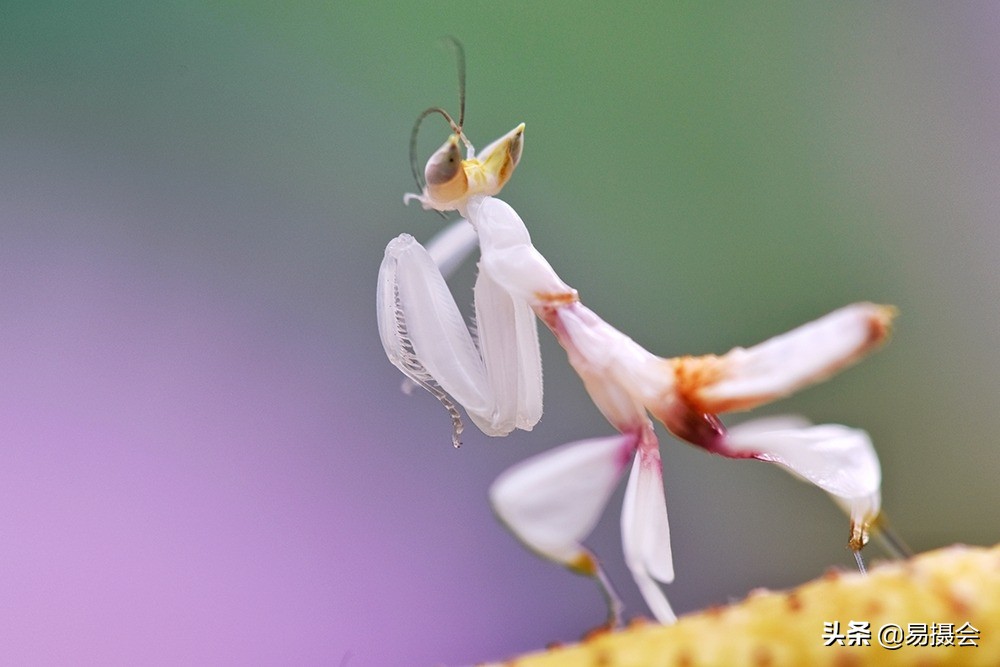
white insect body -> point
(552, 501)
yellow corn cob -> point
(955, 585)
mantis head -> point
(451, 180)
(448, 179)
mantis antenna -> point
(455, 127)
(460, 64)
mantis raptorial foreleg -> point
(498, 381)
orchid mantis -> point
(551, 502)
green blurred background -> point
(187, 182)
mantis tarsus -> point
(551, 502)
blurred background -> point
(205, 456)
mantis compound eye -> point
(445, 174)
